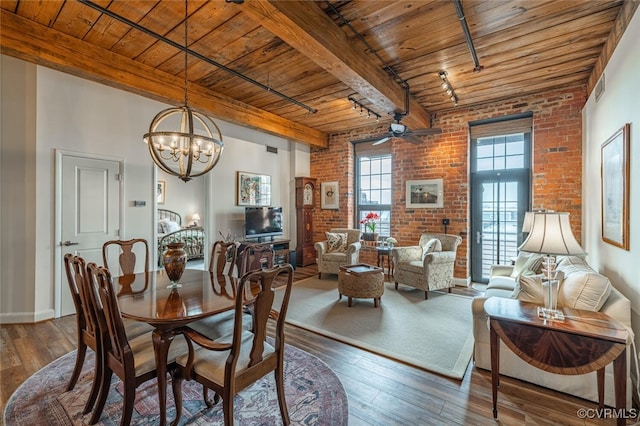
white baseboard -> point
(26, 317)
(462, 282)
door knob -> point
(68, 243)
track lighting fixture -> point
(446, 86)
(357, 105)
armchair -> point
(427, 266)
(330, 259)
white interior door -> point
(89, 212)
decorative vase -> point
(370, 236)
(175, 260)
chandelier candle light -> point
(551, 235)
(182, 142)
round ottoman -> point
(361, 281)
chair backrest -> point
(257, 286)
(127, 258)
(353, 235)
(256, 257)
(223, 253)
(76, 270)
(109, 316)
(449, 242)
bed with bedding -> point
(170, 230)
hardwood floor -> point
(380, 391)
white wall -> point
(52, 110)
(618, 105)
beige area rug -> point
(434, 334)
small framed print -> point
(329, 197)
(424, 193)
(615, 188)
(253, 189)
(161, 189)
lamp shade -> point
(527, 222)
(551, 234)
(195, 216)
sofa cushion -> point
(527, 263)
(336, 242)
(582, 287)
(528, 288)
(432, 245)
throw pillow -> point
(162, 226)
(432, 245)
(172, 226)
(584, 289)
(527, 263)
(528, 288)
(336, 242)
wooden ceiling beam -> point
(32, 42)
(306, 27)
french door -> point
(499, 202)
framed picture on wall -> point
(161, 191)
(329, 198)
(615, 188)
(253, 189)
(424, 194)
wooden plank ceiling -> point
(317, 54)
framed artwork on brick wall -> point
(424, 194)
(329, 197)
(615, 188)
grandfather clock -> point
(305, 199)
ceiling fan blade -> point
(383, 140)
(411, 138)
(426, 132)
(369, 139)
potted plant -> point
(370, 222)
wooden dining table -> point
(146, 297)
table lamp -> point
(551, 236)
(195, 218)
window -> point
(373, 189)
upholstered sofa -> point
(581, 288)
(427, 266)
(342, 247)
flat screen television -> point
(262, 222)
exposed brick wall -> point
(556, 180)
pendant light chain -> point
(183, 142)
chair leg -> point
(396, 285)
(208, 401)
(426, 294)
(227, 407)
(449, 289)
(282, 402)
(95, 386)
(105, 383)
(319, 275)
(128, 400)
(80, 355)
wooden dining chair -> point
(88, 331)
(229, 366)
(223, 254)
(132, 360)
(127, 260)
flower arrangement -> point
(391, 241)
(370, 221)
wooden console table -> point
(585, 341)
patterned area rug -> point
(314, 396)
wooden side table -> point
(385, 252)
(585, 341)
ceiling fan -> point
(399, 130)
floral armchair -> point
(427, 266)
(336, 251)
